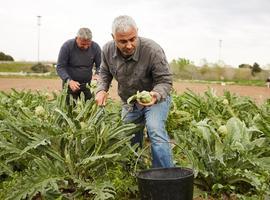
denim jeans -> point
(154, 118)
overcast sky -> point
(237, 31)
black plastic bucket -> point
(166, 184)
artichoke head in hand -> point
(143, 97)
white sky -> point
(188, 29)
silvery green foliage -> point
(52, 150)
(227, 142)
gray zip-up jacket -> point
(147, 69)
(76, 64)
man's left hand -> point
(153, 101)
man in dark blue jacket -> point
(75, 63)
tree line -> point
(5, 57)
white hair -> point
(85, 33)
(122, 23)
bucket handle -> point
(177, 145)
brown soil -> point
(259, 94)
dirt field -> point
(259, 94)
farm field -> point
(83, 151)
(259, 94)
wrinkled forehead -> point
(83, 40)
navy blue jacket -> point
(77, 64)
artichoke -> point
(142, 97)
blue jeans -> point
(154, 118)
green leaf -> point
(95, 158)
(67, 119)
(37, 140)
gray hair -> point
(85, 33)
(122, 23)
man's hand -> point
(101, 98)
(155, 96)
(153, 101)
(74, 85)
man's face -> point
(83, 43)
(126, 42)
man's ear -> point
(112, 36)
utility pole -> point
(38, 23)
(219, 50)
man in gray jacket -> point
(75, 62)
(139, 64)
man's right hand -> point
(101, 98)
(74, 85)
